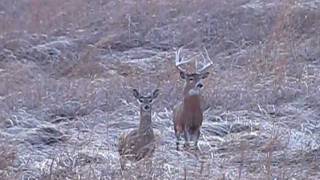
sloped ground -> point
(65, 87)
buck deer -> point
(188, 114)
(139, 143)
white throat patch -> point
(194, 92)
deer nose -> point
(200, 85)
(146, 107)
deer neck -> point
(192, 103)
(145, 121)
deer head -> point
(193, 81)
(146, 101)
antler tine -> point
(206, 66)
(179, 61)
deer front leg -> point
(122, 164)
(186, 138)
(197, 135)
(178, 139)
(178, 132)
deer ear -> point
(136, 93)
(155, 93)
(183, 75)
(205, 75)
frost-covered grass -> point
(65, 87)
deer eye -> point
(191, 78)
(150, 100)
(141, 100)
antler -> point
(179, 61)
(207, 65)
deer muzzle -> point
(146, 107)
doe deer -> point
(139, 143)
(188, 114)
